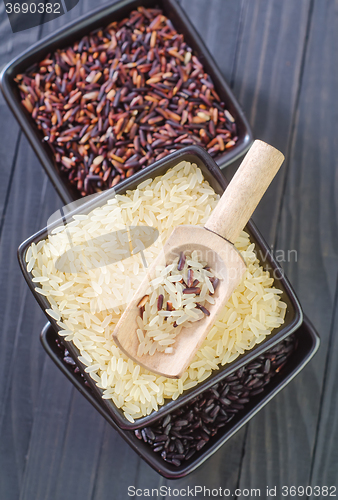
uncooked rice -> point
(88, 291)
(177, 296)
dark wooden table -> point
(280, 57)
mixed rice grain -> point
(178, 296)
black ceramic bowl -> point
(213, 175)
(81, 27)
(307, 345)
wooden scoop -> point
(214, 244)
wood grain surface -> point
(280, 58)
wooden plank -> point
(283, 437)
(81, 8)
(266, 43)
(30, 201)
(266, 83)
(29, 422)
(41, 479)
(29, 210)
(317, 180)
(133, 471)
(76, 470)
(24, 217)
(20, 319)
(117, 467)
(85, 435)
(218, 23)
(38, 480)
(10, 46)
(324, 470)
(145, 477)
(280, 438)
(21, 394)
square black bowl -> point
(213, 175)
(307, 345)
(74, 31)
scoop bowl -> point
(228, 264)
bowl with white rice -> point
(84, 268)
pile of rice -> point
(88, 302)
(176, 298)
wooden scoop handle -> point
(245, 190)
